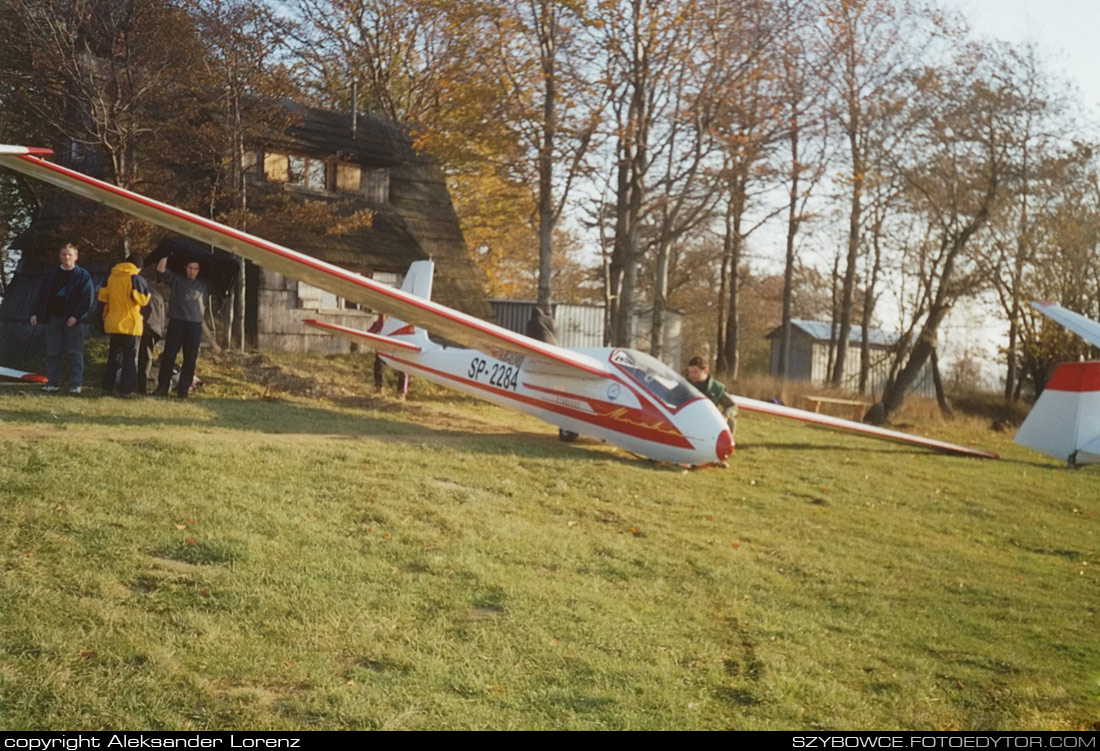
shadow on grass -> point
(279, 417)
(792, 446)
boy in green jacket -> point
(700, 377)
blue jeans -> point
(67, 340)
(185, 334)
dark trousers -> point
(185, 334)
(149, 340)
(379, 370)
(68, 341)
(122, 355)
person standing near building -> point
(123, 298)
(64, 300)
(189, 297)
(380, 367)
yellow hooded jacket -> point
(124, 296)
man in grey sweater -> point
(186, 308)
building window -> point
(314, 173)
(276, 167)
(307, 171)
(314, 298)
(347, 178)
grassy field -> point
(283, 552)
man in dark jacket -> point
(189, 297)
(64, 300)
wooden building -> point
(353, 163)
(322, 157)
(813, 346)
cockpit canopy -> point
(656, 378)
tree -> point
(424, 63)
(1051, 168)
(245, 81)
(539, 57)
(874, 43)
(801, 88)
(98, 77)
(965, 123)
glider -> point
(1065, 421)
(621, 396)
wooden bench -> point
(858, 408)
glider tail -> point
(418, 281)
(1063, 421)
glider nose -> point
(723, 447)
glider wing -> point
(458, 327)
(754, 405)
(1075, 322)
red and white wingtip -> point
(1063, 422)
(22, 375)
(8, 150)
(779, 410)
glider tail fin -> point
(1063, 422)
(418, 281)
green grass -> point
(255, 559)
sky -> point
(1065, 31)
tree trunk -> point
(788, 268)
(660, 295)
(868, 312)
(937, 381)
(546, 164)
(733, 326)
(848, 290)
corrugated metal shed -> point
(583, 325)
(809, 357)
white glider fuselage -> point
(619, 409)
(638, 404)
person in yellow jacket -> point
(123, 298)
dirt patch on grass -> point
(171, 566)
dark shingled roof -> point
(418, 221)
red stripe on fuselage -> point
(626, 420)
(1076, 376)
